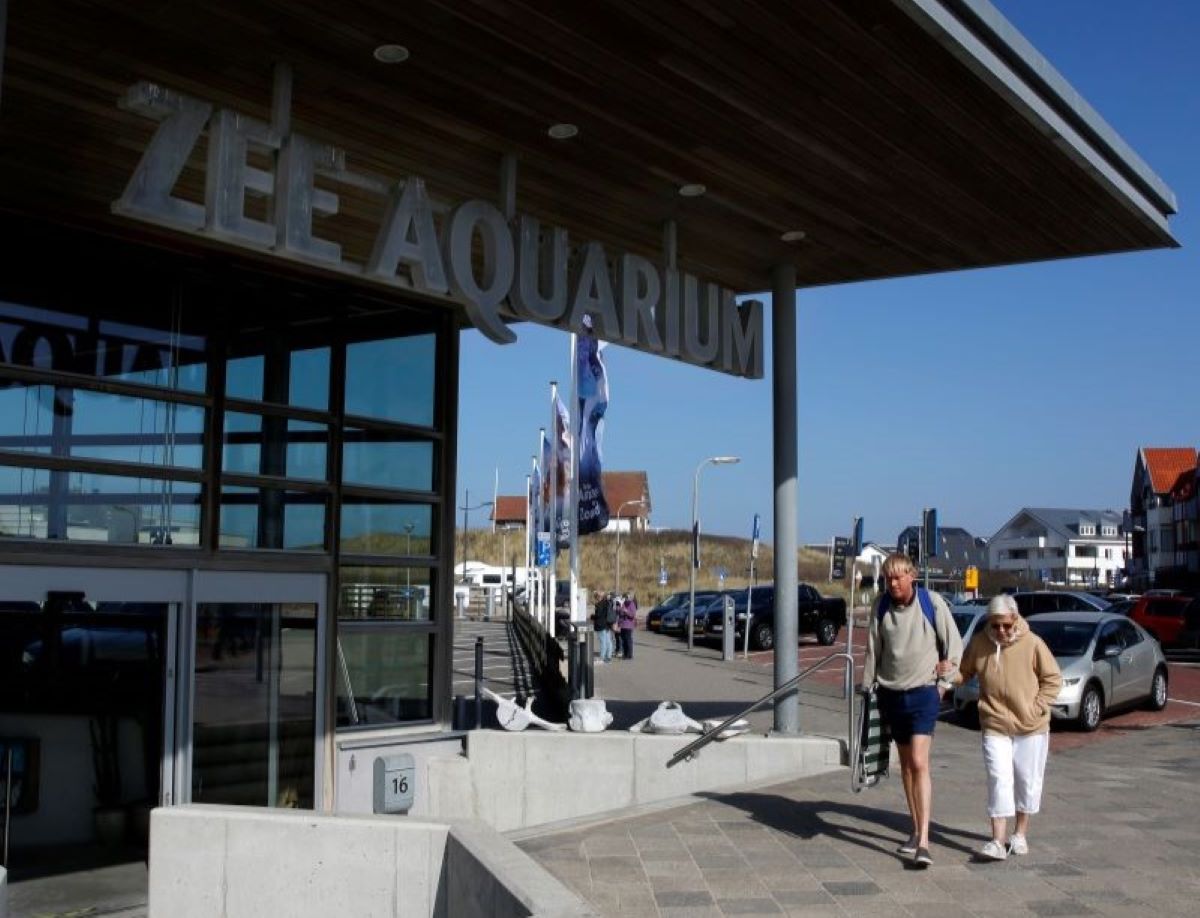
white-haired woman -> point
(1018, 681)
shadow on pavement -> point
(877, 829)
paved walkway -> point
(1119, 833)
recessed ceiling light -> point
(692, 190)
(793, 236)
(563, 131)
(391, 54)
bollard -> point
(572, 663)
(460, 603)
(590, 666)
(490, 608)
(479, 682)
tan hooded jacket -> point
(1018, 680)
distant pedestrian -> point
(603, 619)
(627, 621)
(1018, 681)
(912, 645)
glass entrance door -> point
(253, 714)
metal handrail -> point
(690, 751)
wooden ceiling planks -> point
(843, 119)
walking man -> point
(913, 649)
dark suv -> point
(821, 616)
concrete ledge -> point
(244, 862)
(515, 781)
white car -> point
(1107, 662)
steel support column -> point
(783, 418)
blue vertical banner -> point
(535, 502)
(754, 535)
(856, 539)
(591, 385)
(562, 481)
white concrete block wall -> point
(240, 862)
(516, 781)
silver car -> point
(1107, 662)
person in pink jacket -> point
(1018, 681)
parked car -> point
(1162, 616)
(674, 621)
(1189, 634)
(821, 616)
(1107, 662)
(1121, 606)
(967, 619)
(1038, 602)
(674, 601)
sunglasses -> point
(1004, 626)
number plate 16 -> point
(394, 776)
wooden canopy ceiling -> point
(900, 136)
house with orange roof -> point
(1156, 472)
(627, 494)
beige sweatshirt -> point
(902, 648)
(1018, 681)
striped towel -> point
(874, 744)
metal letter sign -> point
(526, 269)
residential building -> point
(1063, 547)
(1185, 510)
(1156, 471)
(956, 550)
(627, 495)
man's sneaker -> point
(992, 851)
(1018, 845)
(909, 848)
(923, 858)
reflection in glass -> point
(271, 518)
(258, 445)
(244, 377)
(381, 528)
(383, 676)
(84, 507)
(308, 379)
(99, 425)
(392, 380)
(255, 686)
(385, 593)
(48, 340)
(384, 459)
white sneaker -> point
(992, 851)
(1018, 845)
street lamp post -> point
(467, 508)
(712, 460)
(628, 503)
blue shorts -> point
(909, 712)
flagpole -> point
(495, 497)
(576, 423)
(554, 443)
(528, 531)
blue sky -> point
(976, 392)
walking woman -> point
(1018, 681)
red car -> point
(1162, 616)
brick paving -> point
(1118, 835)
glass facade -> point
(243, 419)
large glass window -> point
(99, 425)
(285, 447)
(82, 506)
(46, 339)
(386, 459)
(272, 518)
(383, 676)
(393, 379)
(380, 527)
(402, 593)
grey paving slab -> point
(1113, 838)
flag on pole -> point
(591, 387)
(562, 473)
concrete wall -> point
(514, 781)
(356, 755)
(244, 862)
(3, 893)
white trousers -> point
(1015, 768)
